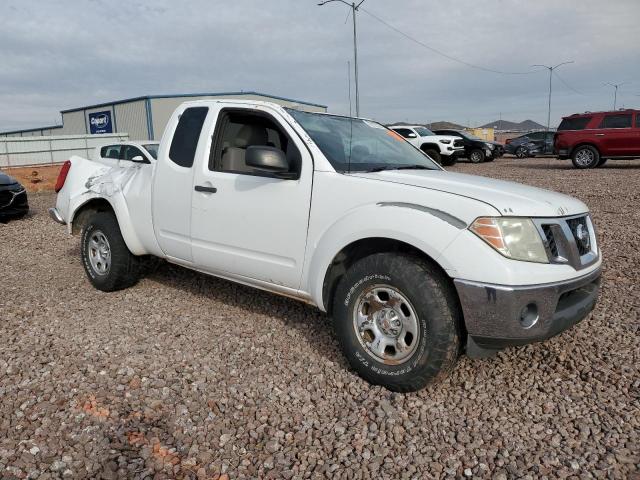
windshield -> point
(356, 145)
(152, 148)
(467, 135)
(424, 132)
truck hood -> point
(509, 198)
(439, 138)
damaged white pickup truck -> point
(414, 264)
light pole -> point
(354, 8)
(615, 92)
(551, 69)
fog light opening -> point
(529, 315)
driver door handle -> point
(202, 188)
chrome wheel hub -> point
(584, 157)
(99, 253)
(386, 324)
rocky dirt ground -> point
(38, 178)
(186, 376)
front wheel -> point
(435, 156)
(602, 162)
(396, 318)
(448, 161)
(477, 156)
(585, 157)
(106, 259)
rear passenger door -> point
(247, 224)
(173, 182)
(635, 145)
(615, 135)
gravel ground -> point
(186, 376)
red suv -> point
(590, 139)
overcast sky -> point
(64, 54)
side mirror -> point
(412, 135)
(267, 159)
(140, 159)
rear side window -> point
(579, 123)
(185, 138)
(616, 121)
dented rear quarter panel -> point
(126, 187)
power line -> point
(567, 85)
(441, 53)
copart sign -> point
(100, 122)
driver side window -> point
(129, 152)
(237, 130)
(405, 132)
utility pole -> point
(615, 91)
(349, 80)
(551, 69)
(354, 8)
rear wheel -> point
(602, 162)
(585, 156)
(106, 259)
(476, 156)
(435, 155)
(396, 317)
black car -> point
(13, 198)
(499, 151)
(521, 146)
(475, 149)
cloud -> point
(64, 54)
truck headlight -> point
(446, 142)
(513, 237)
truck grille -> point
(457, 143)
(551, 241)
(581, 234)
(569, 240)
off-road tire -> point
(435, 303)
(476, 156)
(585, 156)
(448, 161)
(124, 269)
(434, 154)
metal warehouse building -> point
(143, 118)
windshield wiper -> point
(399, 167)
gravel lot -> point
(186, 376)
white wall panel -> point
(131, 118)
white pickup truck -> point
(414, 264)
(444, 149)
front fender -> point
(428, 230)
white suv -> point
(444, 149)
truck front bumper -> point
(498, 316)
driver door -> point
(246, 223)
